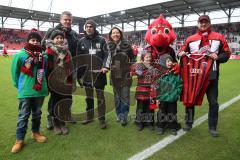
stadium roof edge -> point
(169, 8)
(26, 14)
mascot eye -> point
(166, 31)
(154, 30)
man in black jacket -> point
(92, 56)
(71, 37)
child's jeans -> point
(26, 107)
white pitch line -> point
(169, 139)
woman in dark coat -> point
(119, 62)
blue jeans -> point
(122, 101)
(26, 107)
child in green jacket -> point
(170, 87)
(29, 77)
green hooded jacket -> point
(23, 82)
(170, 87)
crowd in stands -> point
(231, 32)
(13, 39)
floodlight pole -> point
(149, 19)
(101, 29)
(3, 21)
(31, 5)
(134, 26)
(123, 26)
(38, 24)
(10, 3)
(182, 20)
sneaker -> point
(214, 132)
(160, 131)
(39, 137)
(174, 132)
(102, 125)
(64, 129)
(19, 144)
(187, 127)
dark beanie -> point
(92, 22)
(164, 58)
(55, 33)
(34, 34)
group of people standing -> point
(54, 63)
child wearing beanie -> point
(59, 81)
(169, 90)
(29, 77)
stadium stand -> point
(231, 32)
(13, 39)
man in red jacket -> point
(214, 44)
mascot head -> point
(160, 33)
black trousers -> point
(167, 115)
(59, 107)
(90, 102)
(144, 115)
(212, 97)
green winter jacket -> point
(24, 83)
(170, 87)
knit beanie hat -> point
(163, 60)
(92, 22)
(55, 33)
(34, 34)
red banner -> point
(235, 57)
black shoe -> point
(102, 125)
(214, 132)
(123, 122)
(49, 125)
(160, 131)
(64, 129)
(57, 130)
(72, 120)
(174, 132)
(151, 127)
(140, 127)
(187, 127)
(117, 120)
